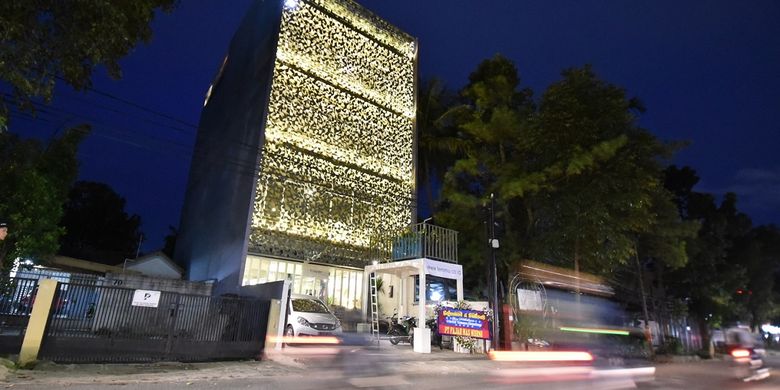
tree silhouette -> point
(44, 42)
(35, 181)
(97, 226)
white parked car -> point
(309, 316)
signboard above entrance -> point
(443, 270)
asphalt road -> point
(418, 375)
(710, 375)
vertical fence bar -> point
(216, 304)
(456, 247)
(429, 242)
(436, 238)
(453, 245)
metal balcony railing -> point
(424, 240)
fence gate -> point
(16, 299)
(91, 323)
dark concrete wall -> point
(270, 290)
(217, 208)
(142, 282)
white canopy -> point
(421, 267)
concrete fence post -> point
(39, 317)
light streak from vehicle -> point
(617, 332)
(303, 340)
(540, 356)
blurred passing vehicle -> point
(551, 367)
(746, 353)
(341, 361)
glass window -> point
(337, 291)
(345, 289)
(341, 287)
(438, 289)
(272, 271)
(297, 284)
(291, 268)
(331, 283)
(323, 290)
(253, 273)
(308, 286)
(352, 289)
(359, 291)
(263, 277)
(309, 306)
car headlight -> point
(338, 323)
(303, 322)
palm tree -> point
(380, 285)
(437, 135)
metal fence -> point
(426, 240)
(16, 300)
(92, 323)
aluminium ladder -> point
(374, 306)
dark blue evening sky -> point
(708, 72)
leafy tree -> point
(34, 184)
(44, 41)
(605, 198)
(709, 280)
(575, 178)
(97, 226)
(665, 240)
(758, 253)
(438, 143)
(490, 122)
(733, 269)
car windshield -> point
(309, 306)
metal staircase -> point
(374, 305)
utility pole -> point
(648, 333)
(140, 240)
(493, 242)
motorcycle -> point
(402, 330)
(747, 364)
(746, 354)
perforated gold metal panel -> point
(337, 165)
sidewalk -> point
(292, 362)
(397, 358)
(166, 372)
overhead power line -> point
(125, 136)
(136, 105)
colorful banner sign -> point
(469, 323)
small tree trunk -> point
(648, 334)
(706, 339)
(658, 319)
(577, 273)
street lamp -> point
(493, 242)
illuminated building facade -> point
(325, 92)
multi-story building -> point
(305, 153)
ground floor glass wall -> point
(336, 286)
